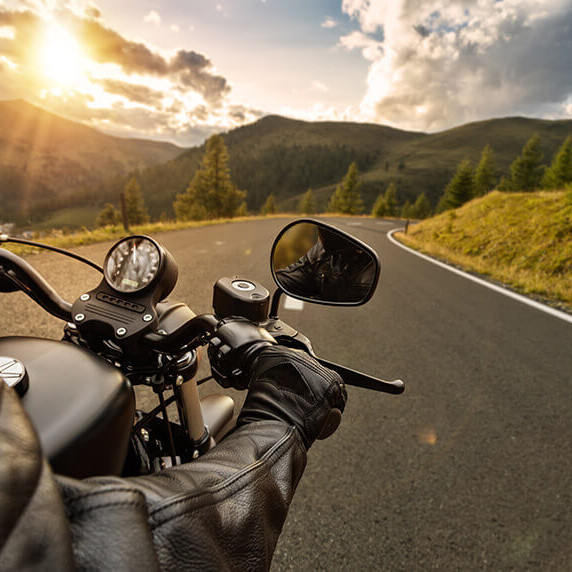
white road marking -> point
(519, 297)
(354, 223)
(293, 304)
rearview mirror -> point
(319, 263)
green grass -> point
(521, 239)
(110, 233)
(72, 218)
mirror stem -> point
(275, 304)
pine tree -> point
(527, 170)
(486, 173)
(211, 193)
(391, 200)
(109, 215)
(136, 211)
(269, 207)
(308, 203)
(406, 210)
(346, 198)
(461, 187)
(421, 208)
(504, 184)
(560, 172)
(242, 210)
(379, 209)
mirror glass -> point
(319, 263)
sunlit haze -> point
(180, 70)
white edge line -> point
(528, 301)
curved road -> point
(470, 468)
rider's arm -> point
(226, 509)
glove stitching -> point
(316, 367)
(287, 390)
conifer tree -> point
(269, 207)
(391, 200)
(560, 172)
(211, 192)
(407, 210)
(527, 170)
(461, 187)
(346, 198)
(421, 208)
(109, 215)
(486, 172)
(242, 209)
(136, 211)
(505, 184)
(379, 209)
(308, 203)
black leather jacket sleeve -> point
(224, 511)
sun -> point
(62, 59)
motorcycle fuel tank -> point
(82, 407)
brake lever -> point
(288, 336)
(358, 379)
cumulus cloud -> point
(133, 92)
(371, 48)
(127, 86)
(153, 17)
(437, 63)
(329, 23)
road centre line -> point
(293, 304)
(519, 297)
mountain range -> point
(48, 163)
(44, 157)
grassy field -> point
(72, 218)
(521, 239)
(86, 236)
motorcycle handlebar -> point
(32, 283)
(183, 335)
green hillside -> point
(521, 239)
(286, 157)
(47, 162)
(431, 162)
(281, 156)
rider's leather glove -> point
(292, 387)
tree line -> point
(527, 173)
(212, 192)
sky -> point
(180, 70)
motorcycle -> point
(79, 392)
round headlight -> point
(132, 264)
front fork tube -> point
(208, 419)
(198, 433)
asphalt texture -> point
(470, 468)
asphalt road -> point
(470, 468)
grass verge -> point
(523, 240)
(111, 233)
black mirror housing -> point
(316, 262)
